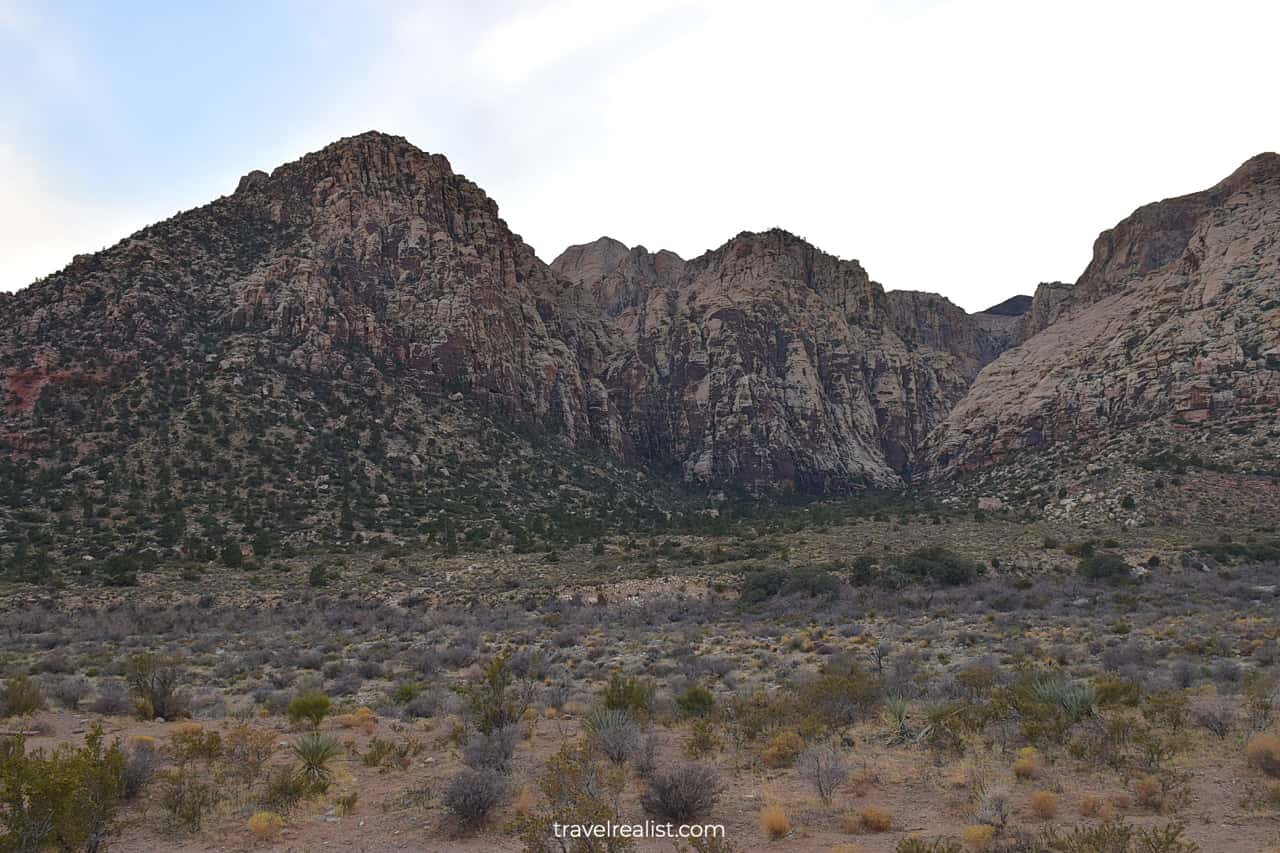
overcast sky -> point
(968, 148)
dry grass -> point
(978, 837)
(1044, 804)
(875, 819)
(1029, 763)
(1263, 752)
(774, 822)
(266, 826)
(782, 749)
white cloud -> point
(971, 148)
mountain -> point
(355, 347)
(1166, 348)
(354, 342)
(769, 364)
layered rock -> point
(768, 364)
(1175, 321)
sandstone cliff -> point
(1175, 322)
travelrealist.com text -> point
(648, 829)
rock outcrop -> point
(767, 363)
(1176, 321)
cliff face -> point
(1176, 321)
(767, 363)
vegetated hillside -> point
(353, 345)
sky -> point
(967, 147)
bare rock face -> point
(931, 321)
(1175, 322)
(769, 364)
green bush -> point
(760, 586)
(21, 696)
(65, 800)
(628, 693)
(938, 565)
(1104, 566)
(309, 708)
(697, 701)
(496, 700)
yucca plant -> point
(315, 751)
(1075, 699)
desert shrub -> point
(284, 789)
(492, 751)
(1044, 804)
(66, 799)
(112, 699)
(1104, 566)
(472, 795)
(683, 794)
(1028, 764)
(696, 701)
(579, 789)
(315, 751)
(811, 581)
(309, 709)
(1263, 752)
(703, 739)
(841, 694)
(760, 586)
(774, 822)
(628, 693)
(875, 819)
(1115, 836)
(70, 691)
(186, 799)
(614, 733)
(157, 685)
(141, 759)
(496, 699)
(782, 749)
(266, 826)
(824, 767)
(192, 742)
(938, 565)
(21, 696)
(248, 748)
(993, 808)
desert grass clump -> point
(1044, 804)
(315, 751)
(614, 733)
(1028, 764)
(774, 822)
(782, 749)
(266, 826)
(875, 819)
(978, 837)
(309, 709)
(190, 742)
(361, 718)
(1263, 752)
